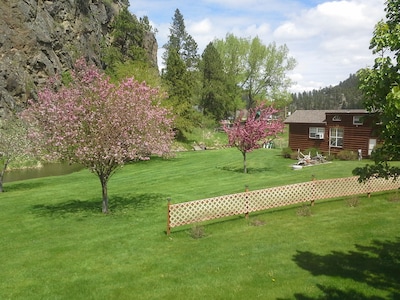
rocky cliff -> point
(41, 38)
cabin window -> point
(336, 137)
(316, 133)
(357, 120)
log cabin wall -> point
(299, 137)
(355, 136)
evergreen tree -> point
(175, 79)
(183, 42)
(126, 31)
(214, 101)
(127, 46)
(180, 76)
(345, 95)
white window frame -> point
(336, 137)
(313, 131)
(357, 120)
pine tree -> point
(180, 74)
(214, 101)
(175, 79)
(183, 42)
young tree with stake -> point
(99, 124)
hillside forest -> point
(345, 95)
(231, 74)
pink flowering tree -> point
(249, 133)
(98, 124)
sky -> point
(329, 39)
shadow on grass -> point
(22, 186)
(116, 204)
(377, 265)
(249, 170)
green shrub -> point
(257, 222)
(287, 152)
(313, 151)
(197, 232)
(304, 211)
(294, 155)
(394, 197)
(347, 155)
(353, 201)
(330, 157)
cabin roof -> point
(307, 116)
(318, 116)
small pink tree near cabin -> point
(98, 124)
(247, 135)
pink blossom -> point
(248, 133)
(99, 124)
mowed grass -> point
(56, 244)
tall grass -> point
(56, 244)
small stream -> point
(53, 169)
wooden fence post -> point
(246, 189)
(369, 188)
(168, 216)
(313, 193)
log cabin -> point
(331, 131)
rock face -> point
(41, 38)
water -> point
(53, 169)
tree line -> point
(345, 95)
(231, 74)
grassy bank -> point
(57, 245)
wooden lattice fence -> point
(250, 201)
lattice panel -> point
(280, 196)
(339, 187)
(381, 184)
(242, 203)
(207, 209)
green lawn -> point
(56, 244)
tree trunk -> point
(2, 173)
(104, 193)
(244, 162)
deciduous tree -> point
(381, 88)
(13, 143)
(249, 132)
(259, 70)
(99, 124)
